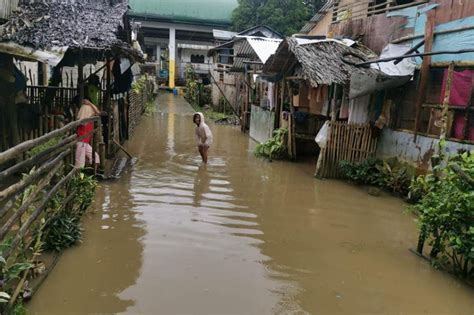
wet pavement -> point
(240, 236)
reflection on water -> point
(90, 277)
(240, 236)
(201, 185)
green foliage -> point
(139, 85)
(38, 149)
(446, 214)
(150, 108)
(85, 186)
(364, 173)
(419, 187)
(19, 308)
(285, 16)
(192, 85)
(391, 174)
(64, 231)
(275, 147)
(397, 175)
(10, 271)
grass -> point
(210, 113)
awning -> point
(386, 75)
(52, 57)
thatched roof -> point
(321, 60)
(87, 24)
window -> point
(197, 59)
(225, 56)
(460, 122)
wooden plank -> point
(444, 114)
(339, 149)
(425, 69)
(443, 11)
(333, 148)
(468, 9)
(457, 9)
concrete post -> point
(172, 58)
(158, 59)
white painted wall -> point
(400, 144)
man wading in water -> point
(203, 135)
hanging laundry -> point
(458, 128)
(303, 94)
(384, 118)
(122, 81)
(359, 110)
(461, 88)
(317, 97)
(344, 112)
(271, 94)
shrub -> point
(275, 147)
(397, 175)
(84, 186)
(446, 213)
(364, 173)
(64, 231)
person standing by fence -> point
(83, 148)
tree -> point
(285, 16)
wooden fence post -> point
(444, 113)
(425, 69)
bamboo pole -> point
(31, 198)
(24, 228)
(425, 69)
(27, 145)
(444, 113)
(37, 158)
(14, 189)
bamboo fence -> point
(29, 180)
(347, 142)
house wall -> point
(401, 144)
(227, 86)
(185, 59)
(322, 28)
(261, 124)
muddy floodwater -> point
(240, 236)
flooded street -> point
(240, 236)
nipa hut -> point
(320, 93)
(93, 39)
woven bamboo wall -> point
(348, 142)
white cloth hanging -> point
(359, 110)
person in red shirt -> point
(83, 147)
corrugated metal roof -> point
(251, 48)
(263, 47)
(200, 11)
(317, 17)
(223, 35)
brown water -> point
(240, 236)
